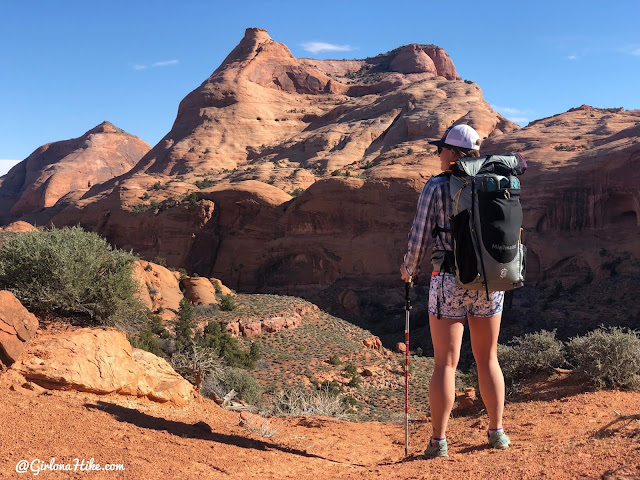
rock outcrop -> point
(18, 227)
(17, 328)
(266, 117)
(582, 189)
(69, 167)
(159, 288)
(220, 195)
(101, 361)
(253, 327)
(200, 291)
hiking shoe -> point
(436, 448)
(498, 440)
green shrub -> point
(227, 303)
(539, 352)
(335, 359)
(184, 325)
(223, 381)
(146, 340)
(609, 357)
(72, 273)
(160, 261)
(206, 183)
(223, 345)
(332, 387)
(532, 353)
(350, 369)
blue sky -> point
(66, 66)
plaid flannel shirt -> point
(434, 208)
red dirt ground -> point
(552, 434)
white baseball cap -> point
(462, 136)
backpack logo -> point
(503, 273)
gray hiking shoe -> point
(498, 440)
(436, 448)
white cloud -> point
(6, 165)
(165, 63)
(317, 47)
(517, 115)
(635, 52)
(572, 57)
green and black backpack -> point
(487, 222)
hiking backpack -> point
(487, 222)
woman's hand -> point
(403, 273)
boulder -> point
(233, 329)
(101, 361)
(253, 329)
(18, 227)
(372, 342)
(200, 291)
(292, 321)
(159, 288)
(273, 325)
(465, 399)
(159, 381)
(400, 348)
(349, 300)
(17, 328)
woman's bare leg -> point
(484, 342)
(446, 335)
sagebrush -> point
(298, 402)
(609, 357)
(223, 380)
(72, 273)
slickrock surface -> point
(17, 328)
(73, 166)
(101, 361)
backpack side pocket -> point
(465, 254)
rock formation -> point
(284, 173)
(101, 361)
(159, 288)
(582, 191)
(17, 328)
(265, 115)
(58, 169)
(200, 291)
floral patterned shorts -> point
(457, 302)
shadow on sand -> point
(200, 430)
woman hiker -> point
(450, 305)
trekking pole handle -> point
(407, 298)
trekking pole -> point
(407, 307)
